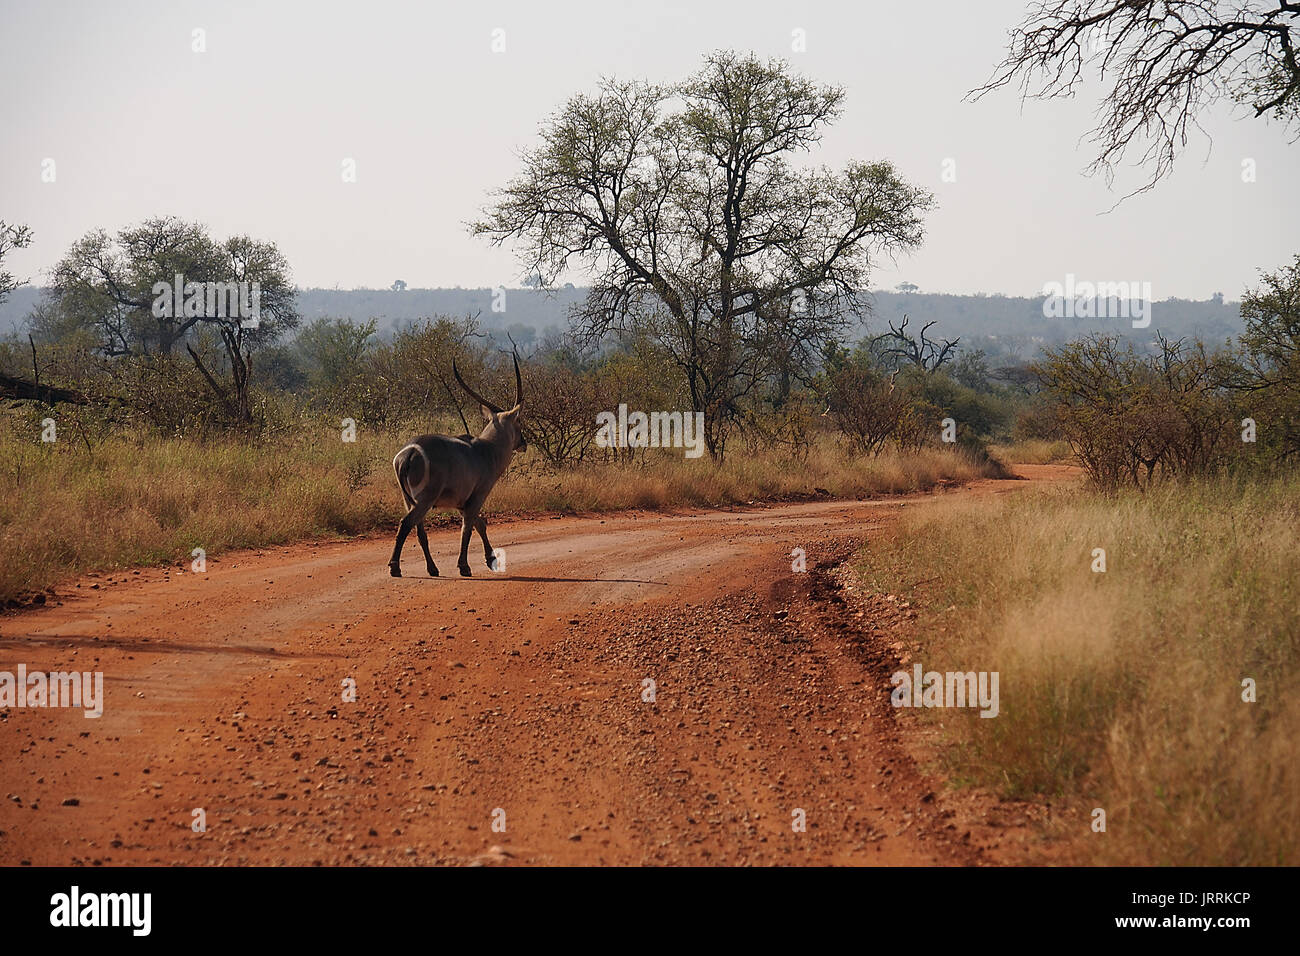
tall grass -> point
(1123, 690)
(670, 481)
(124, 500)
(1033, 451)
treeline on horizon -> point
(1011, 326)
(1131, 411)
(1191, 388)
(1192, 393)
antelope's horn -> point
(519, 382)
(472, 394)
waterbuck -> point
(439, 471)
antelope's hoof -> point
(395, 570)
(464, 571)
(433, 572)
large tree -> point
(1165, 61)
(106, 284)
(684, 202)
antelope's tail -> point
(401, 468)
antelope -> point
(439, 471)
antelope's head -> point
(503, 428)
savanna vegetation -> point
(146, 419)
(1143, 622)
(726, 282)
(146, 462)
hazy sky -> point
(249, 136)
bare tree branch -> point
(1166, 61)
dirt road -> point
(507, 718)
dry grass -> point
(67, 508)
(1033, 451)
(1123, 690)
(671, 481)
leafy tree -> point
(11, 237)
(683, 201)
(1133, 417)
(1271, 345)
(864, 404)
(978, 413)
(106, 285)
(245, 260)
(1272, 318)
(409, 379)
(972, 370)
(333, 350)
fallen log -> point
(21, 388)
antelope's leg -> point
(424, 543)
(411, 520)
(480, 525)
(468, 518)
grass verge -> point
(69, 507)
(1123, 690)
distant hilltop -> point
(529, 314)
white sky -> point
(249, 136)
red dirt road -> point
(511, 699)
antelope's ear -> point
(512, 413)
(487, 413)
